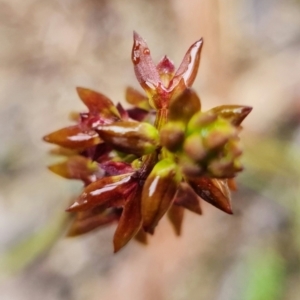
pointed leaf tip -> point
(235, 114)
(188, 69)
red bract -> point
(161, 156)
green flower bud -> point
(172, 135)
(194, 148)
(200, 120)
(183, 107)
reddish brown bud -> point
(91, 221)
(137, 138)
(158, 192)
(73, 137)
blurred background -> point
(251, 56)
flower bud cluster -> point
(160, 157)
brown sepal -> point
(130, 221)
(134, 97)
(77, 167)
(141, 237)
(91, 222)
(109, 191)
(98, 103)
(213, 191)
(187, 198)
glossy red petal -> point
(213, 191)
(73, 137)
